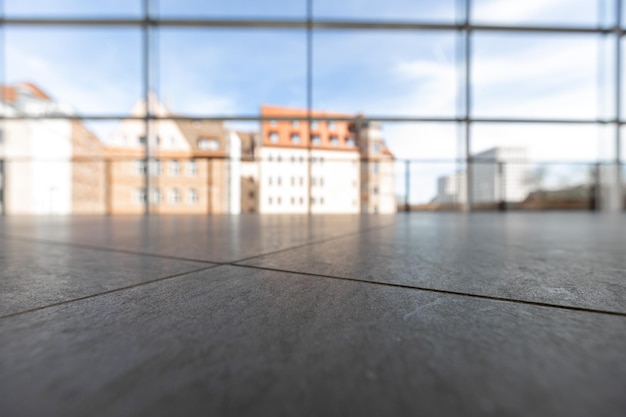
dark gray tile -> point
(573, 259)
(36, 274)
(239, 341)
(204, 238)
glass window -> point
(205, 144)
(314, 125)
(535, 75)
(274, 137)
(295, 139)
(334, 141)
(140, 196)
(228, 72)
(174, 167)
(417, 10)
(192, 196)
(192, 168)
(316, 140)
(350, 142)
(140, 167)
(174, 196)
(156, 196)
(295, 123)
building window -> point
(295, 139)
(1, 136)
(314, 125)
(334, 141)
(205, 144)
(375, 167)
(140, 167)
(269, 181)
(278, 181)
(316, 140)
(301, 200)
(192, 196)
(273, 123)
(350, 142)
(293, 159)
(142, 140)
(293, 181)
(293, 201)
(332, 125)
(321, 182)
(279, 158)
(295, 123)
(192, 168)
(155, 168)
(274, 137)
(156, 196)
(278, 201)
(174, 196)
(251, 194)
(140, 196)
(175, 167)
(270, 158)
(375, 190)
(269, 201)
(301, 180)
(375, 148)
(321, 200)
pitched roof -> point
(193, 130)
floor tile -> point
(37, 274)
(204, 238)
(240, 341)
(572, 259)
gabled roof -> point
(193, 130)
(9, 92)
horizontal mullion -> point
(319, 118)
(302, 24)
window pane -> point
(540, 76)
(543, 12)
(405, 10)
(380, 74)
(228, 72)
(85, 71)
(233, 8)
(78, 8)
(549, 143)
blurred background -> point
(310, 106)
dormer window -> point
(274, 137)
(205, 144)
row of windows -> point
(314, 124)
(315, 140)
(204, 144)
(156, 167)
(174, 196)
(300, 201)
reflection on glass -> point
(540, 76)
(230, 72)
(82, 70)
(379, 74)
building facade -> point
(50, 166)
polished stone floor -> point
(414, 314)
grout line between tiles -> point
(440, 291)
(303, 245)
(86, 297)
(179, 258)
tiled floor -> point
(421, 314)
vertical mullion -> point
(618, 99)
(146, 97)
(3, 84)
(468, 111)
(309, 97)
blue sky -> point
(404, 73)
